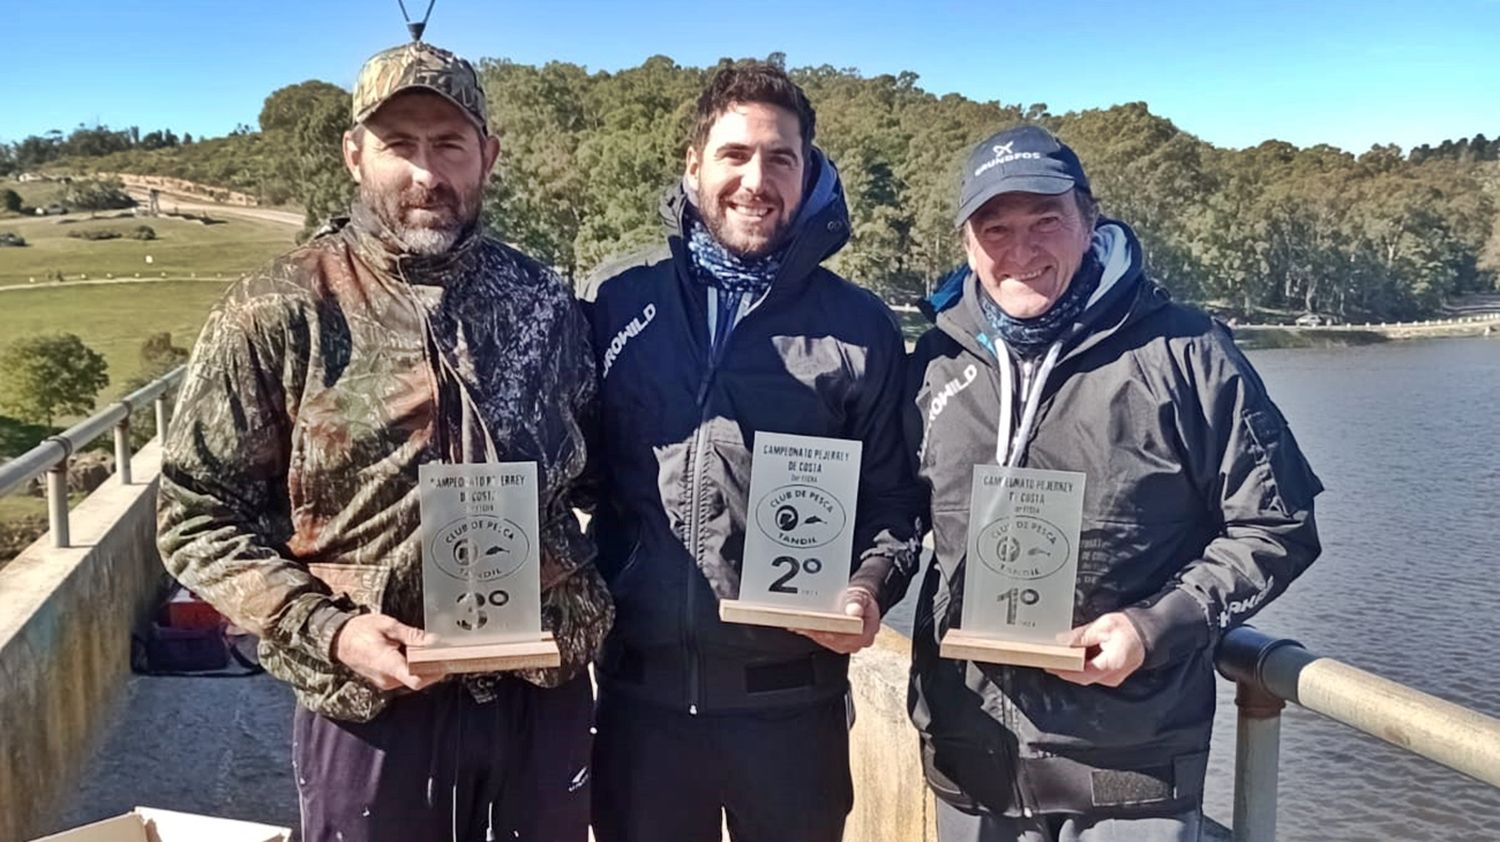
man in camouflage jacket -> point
(397, 337)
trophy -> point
(481, 570)
(799, 542)
(1021, 569)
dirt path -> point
(170, 201)
(108, 281)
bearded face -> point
(747, 178)
(421, 164)
(423, 220)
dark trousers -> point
(437, 766)
(667, 776)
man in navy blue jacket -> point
(730, 328)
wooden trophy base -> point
(734, 611)
(484, 657)
(1017, 653)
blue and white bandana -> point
(1031, 337)
(717, 266)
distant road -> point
(107, 281)
(195, 204)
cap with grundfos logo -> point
(1025, 159)
(419, 65)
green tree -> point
(158, 357)
(42, 377)
(322, 184)
(1269, 230)
(285, 107)
(536, 200)
(303, 126)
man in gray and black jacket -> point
(1055, 351)
(729, 329)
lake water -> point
(1406, 437)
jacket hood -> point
(819, 230)
(954, 306)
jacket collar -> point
(369, 238)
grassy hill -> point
(229, 248)
(238, 162)
(33, 194)
(113, 319)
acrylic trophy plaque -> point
(1021, 570)
(799, 539)
(481, 570)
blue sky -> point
(1234, 73)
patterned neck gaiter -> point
(1031, 337)
(717, 266)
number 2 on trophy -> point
(1014, 599)
(810, 566)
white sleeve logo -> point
(627, 333)
(939, 401)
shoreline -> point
(1256, 337)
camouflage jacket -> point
(318, 386)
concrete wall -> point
(891, 799)
(65, 622)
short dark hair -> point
(752, 81)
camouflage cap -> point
(419, 65)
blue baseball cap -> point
(1025, 159)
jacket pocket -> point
(1292, 483)
(363, 584)
(966, 773)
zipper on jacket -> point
(695, 504)
(693, 572)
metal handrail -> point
(51, 457)
(1270, 671)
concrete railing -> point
(1269, 672)
(68, 605)
(52, 455)
(66, 617)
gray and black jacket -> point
(816, 356)
(1198, 511)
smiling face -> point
(1026, 247)
(747, 177)
(421, 167)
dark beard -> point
(713, 216)
(462, 213)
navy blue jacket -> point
(817, 356)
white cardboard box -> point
(145, 824)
